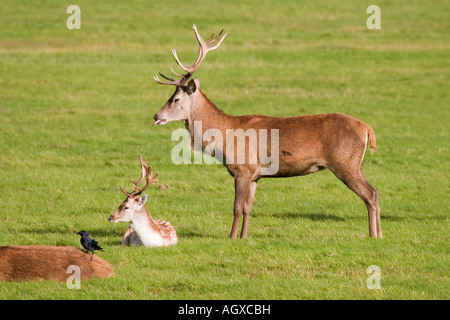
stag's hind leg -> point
(244, 194)
(356, 181)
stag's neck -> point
(146, 229)
(204, 116)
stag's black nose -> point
(157, 120)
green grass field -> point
(76, 110)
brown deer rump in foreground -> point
(19, 263)
(306, 144)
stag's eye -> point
(126, 208)
(176, 100)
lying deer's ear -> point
(192, 86)
(142, 200)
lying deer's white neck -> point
(145, 228)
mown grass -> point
(76, 110)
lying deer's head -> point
(134, 204)
(182, 102)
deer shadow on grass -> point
(69, 231)
(310, 216)
(193, 234)
(69, 236)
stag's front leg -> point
(242, 190)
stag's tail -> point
(372, 139)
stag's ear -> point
(142, 200)
(197, 83)
(192, 86)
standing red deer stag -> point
(306, 144)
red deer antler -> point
(204, 48)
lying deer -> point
(143, 230)
(23, 263)
(306, 144)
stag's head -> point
(182, 102)
(134, 204)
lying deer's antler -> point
(146, 173)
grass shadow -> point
(193, 234)
(310, 216)
(69, 231)
(391, 218)
(190, 234)
(413, 217)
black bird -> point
(88, 243)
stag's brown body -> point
(20, 263)
(306, 143)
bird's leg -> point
(92, 255)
